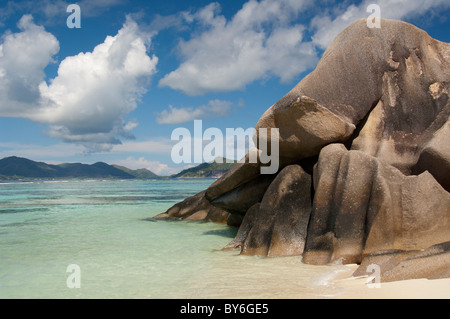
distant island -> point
(18, 168)
(205, 170)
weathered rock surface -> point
(238, 175)
(435, 157)
(392, 83)
(277, 225)
(430, 263)
(196, 207)
(240, 199)
(363, 205)
(373, 119)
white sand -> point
(357, 288)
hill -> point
(142, 173)
(18, 168)
(21, 168)
(205, 170)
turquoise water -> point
(104, 228)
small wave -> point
(16, 182)
(328, 279)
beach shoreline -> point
(349, 287)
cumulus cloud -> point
(214, 108)
(88, 101)
(23, 57)
(258, 41)
(93, 92)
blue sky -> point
(116, 88)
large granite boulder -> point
(384, 91)
(370, 126)
(363, 205)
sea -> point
(98, 239)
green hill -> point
(21, 167)
(18, 168)
(142, 173)
(205, 170)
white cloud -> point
(215, 108)
(228, 55)
(93, 92)
(287, 54)
(23, 57)
(327, 27)
(88, 101)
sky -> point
(113, 80)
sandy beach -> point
(357, 288)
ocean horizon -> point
(105, 229)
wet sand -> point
(348, 287)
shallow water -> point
(103, 227)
